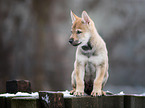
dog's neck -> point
(87, 47)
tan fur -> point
(91, 64)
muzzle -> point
(74, 43)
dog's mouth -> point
(76, 44)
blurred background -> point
(34, 42)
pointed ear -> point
(85, 17)
(73, 16)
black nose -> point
(71, 40)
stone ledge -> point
(95, 102)
(56, 100)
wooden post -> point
(14, 86)
(25, 102)
(113, 101)
(137, 101)
(5, 102)
(2, 102)
(81, 102)
(51, 99)
(128, 101)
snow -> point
(27, 94)
(35, 94)
(67, 94)
(20, 94)
(121, 93)
(7, 95)
(143, 94)
(46, 99)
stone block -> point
(5, 102)
(2, 102)
(128, 101)
(51, 99)
(113, 101)
(14, 86)
(137, 102)
(25, 102)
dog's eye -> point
(78, 32)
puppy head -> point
(80, 29)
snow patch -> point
(143, 94)
(7, 95)
(67, 94)
(20, 94)
(121, 93)
(46, 99)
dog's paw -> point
(103, 93)
(78, 93)
(72, 92)
(98, 93)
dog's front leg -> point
(79, 70)
(97, 87)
